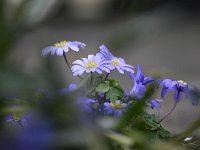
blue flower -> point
(62, 47)
(22, 120)
(180, 88)
(86, 104)
(70, 88)
(155, 103)
(116, 62)
(116, 108)
(168, 86)
(140, 81)
(91, 64)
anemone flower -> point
(91, 64)
(116, 62)
(140, 81)
(62, 47)
(115, 108)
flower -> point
(70, 88)
(116, 62)
(86, 104)
(61, 47)
(180, 88)
(22, 120)
(140, 81)
(155, 103)
(116, 108)
(91, 64)
(168, 86)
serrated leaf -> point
(102, 88)
(114, 94)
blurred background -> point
(163, 36)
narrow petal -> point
(147, 80)
(59, 51)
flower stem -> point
(172, 109)
(106, 76)
(66, 61)
(91, 79)
(65, 57)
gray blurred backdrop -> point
(163, 36)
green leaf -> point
(114, 94)
(102, 88)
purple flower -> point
(155, 103)
(116, 62)
(70, 88)
(86, 104)
(91, 64)
(168, 86)
(61, 47)
(140, 81)
(180, 88)
(116, 108)
(22, 120)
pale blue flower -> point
(64, 46)
(91, 64)
(86, 104)
(155, 103)
(140, 81)
(116, 108)
(116, 62)
(180, 88)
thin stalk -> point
(106, 76)
(65, 57)
(172, 109)
(91, 79)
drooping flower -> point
(168, 86)
(180, 88)
(116, 62)
(91, 64)
(116, 108)
(62, 47)
(140, 81)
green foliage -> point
(111, 88)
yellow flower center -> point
(17, 116)
(60, 44)
(182, 82)
(90, 65)
(115, 62)
(117, 105)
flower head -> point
(180, 87)
(116, 108)
(62, 47)
(155, 103)
(70, 88)
(86, 104)
(168, 86)
(116, 62)
(140, 81)
(91, 64)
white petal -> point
(74, 48)
(79, 62)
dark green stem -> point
(91, 79)
(174, 106)
(65, 57)
(106, 76)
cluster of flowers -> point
(105, 61)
